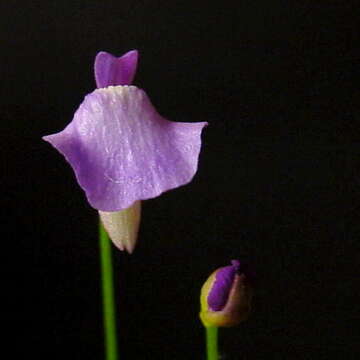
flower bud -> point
(226, 296)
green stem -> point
(107, 284)
(212, 343)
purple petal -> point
(110, 70)
(122, 150)
(220, 290)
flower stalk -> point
(108, 299)
(212, 342)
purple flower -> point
(122, 150)
(226, 296)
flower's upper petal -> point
(111, 70)
(122, 150)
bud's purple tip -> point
(226, 296)
(224, 279)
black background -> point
(277, 184)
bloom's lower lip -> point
(122, 150)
